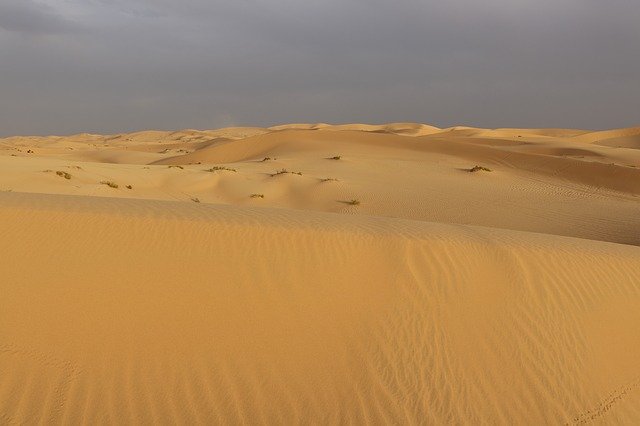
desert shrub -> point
(478, 169)
(109, 183)
(285, 171)
(216, 168)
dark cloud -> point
(115, 65)
(29, 17)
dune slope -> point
(144, 311)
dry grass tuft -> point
(285, 171)
(216, 168)
(109, 183)
(475, 169)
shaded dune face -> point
(377, 281)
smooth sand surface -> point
(389, 286)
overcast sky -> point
(108, 66)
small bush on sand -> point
(337, 157)
(267, 159)
(329, 180)
(354, 202)
(216, 168)
(478, 169)
(195, 200)
(109, 183)
(179, 167)
(285, 171)
(129, 187)
(63, 174)
(257, 195)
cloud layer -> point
(111, 65)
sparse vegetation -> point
(129, 187)
(337, 157)
(195, 200)
(267, 159)
(179, 167)
(257, 195)
(110, 184)
(216, 168)
(479, 169)
(285, 171)
(63, 174)
(353, 202)
(329, 180)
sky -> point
(111, 66)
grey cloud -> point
(29, 17)
(196, 63)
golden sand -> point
(389, 285)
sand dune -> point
(177, 277)
(540, 183)
(199, 314)
(600, 136)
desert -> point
(398, 273)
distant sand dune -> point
(604, 135)
(609, 175)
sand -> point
(391, 285)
